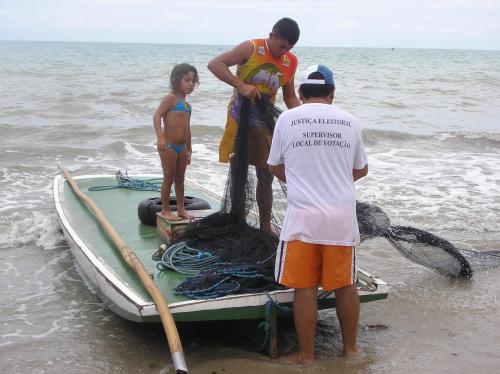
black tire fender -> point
(148, 208)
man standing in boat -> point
(317, 149)
(263, 66)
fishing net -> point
(423, 247)
(242, 255)
(246, 252)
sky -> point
(449, 24)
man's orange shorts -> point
(306, 265)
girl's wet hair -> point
(179, 71)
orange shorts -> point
(306, 265)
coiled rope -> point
(124, 181)
(183, 259)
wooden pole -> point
(136, 264)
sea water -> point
(432, 132)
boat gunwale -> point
(107, 274)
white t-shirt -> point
(320, 145)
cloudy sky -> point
(463, 24)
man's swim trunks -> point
(306, 265)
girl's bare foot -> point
(184, 214)
(296, 358)
(169, 215)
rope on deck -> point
(124, 181)
(183, 259)
(222, 281)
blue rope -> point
(282, 308)
(225, 272)
(324, 295)
(124, 181)
(183, 259)
(241, 271)
(209, 293)
(266, 324)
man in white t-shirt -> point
(317, 149)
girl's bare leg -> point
(180, 172)
(168, 159)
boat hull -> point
(106, 274)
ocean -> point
(432, 133)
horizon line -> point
(229, 45)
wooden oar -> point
(136, 264)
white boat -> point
(106, 273)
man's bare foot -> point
(350, 352)
(355, 357)
(170, 216)
(296, 358)
(184, 214)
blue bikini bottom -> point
(178, 148)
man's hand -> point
(278, 171)
(359, 173)
(249, 91)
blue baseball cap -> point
(323, 70)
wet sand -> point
(52, 323)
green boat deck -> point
(120, 208)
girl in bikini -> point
(174, 140)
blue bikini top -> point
(181, 106)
